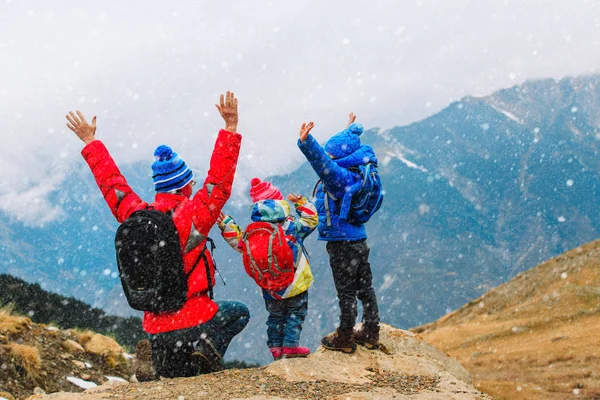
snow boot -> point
(340, 340)
(143, 367)
(293, 352)
(206, 357)
(367, 335)
(276, 352)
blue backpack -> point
(364, 198)
(367, 199)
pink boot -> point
(292, 352)
(276, 352)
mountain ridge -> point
(474, 197)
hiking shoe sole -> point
(295, 355)
(347, 350)
(369, 346)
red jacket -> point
(192, 217)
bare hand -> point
(351, 119)
(229, 111)
(305, 130)
(84, 131)
(294, 197)
(221, 218)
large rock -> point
(101, 345)
(72, 347)
(408, 368)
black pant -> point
(349, 261)
(172, 351)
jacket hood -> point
(365, 154)
(272, 211)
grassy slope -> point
(535, 337)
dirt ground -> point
(34, 356)
(252, 382)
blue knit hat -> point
(346, 142)
(169, 172)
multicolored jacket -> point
(339, 182)
(193, 219)
(278, 211)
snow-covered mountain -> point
(475, 194)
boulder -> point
(406, 368)
(101, 345)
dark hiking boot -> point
(340, 340)
(143, 355)
(207, 357)
(367, 335)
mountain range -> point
(475, 194)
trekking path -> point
(408, 368)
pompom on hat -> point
(346, 142)
(169, 171)
(260, 190)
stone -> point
(103, 346)
(72, 347)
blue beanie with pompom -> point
(169, 171)
(346, 142)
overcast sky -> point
(152, 71)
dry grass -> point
(26, 357)
(11, 324)
(84, 336)
(535, 337)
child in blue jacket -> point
(287, 306)
(335, 164)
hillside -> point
(409, 369)
(39, 358)
(535, 337)
(66, 312)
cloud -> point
(152, 71)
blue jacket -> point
(340, 183)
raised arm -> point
(215, 192)
(308, 219)
(119, 196)
(230, 231)
(334, 177)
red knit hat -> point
(263, 191)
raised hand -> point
(294, 197)
(305, 130)
(351, 119)
(84, 131)
(228, 108)
(221, 218)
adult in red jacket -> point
(193, 339)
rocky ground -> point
(408, 368)
(535, 337)
(37, 358)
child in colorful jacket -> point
(336, 164)
(287, 307)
